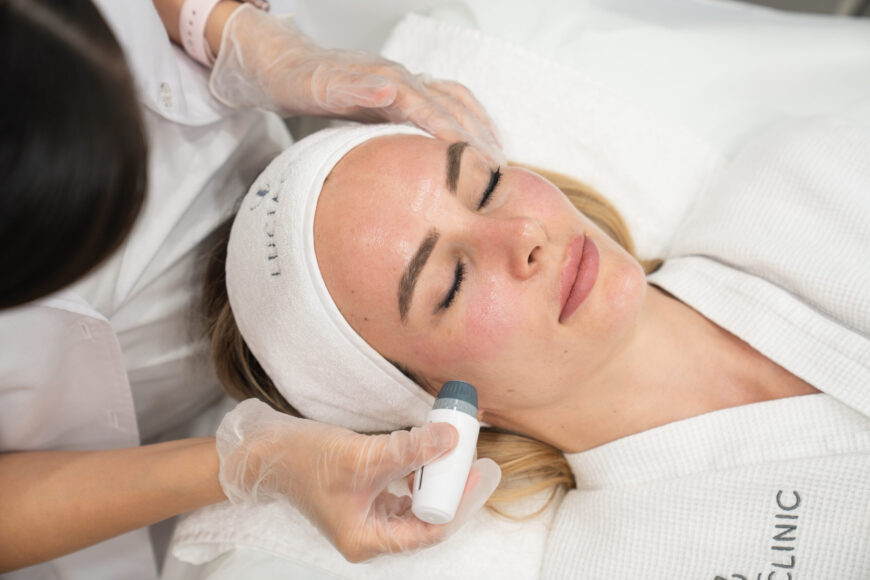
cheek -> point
(480, 333)
(623, 290)
(542, 199)
(492, 319)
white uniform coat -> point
(115, 360)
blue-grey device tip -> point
(459, 390)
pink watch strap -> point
(191, 26)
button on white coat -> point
(166, 95)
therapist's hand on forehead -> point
(265, 61)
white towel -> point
(283, 308)
(487, 547)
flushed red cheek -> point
(491, 322)
(480, 336)
(546, 198)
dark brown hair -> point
(72, 146)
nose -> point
(518, 242)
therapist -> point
(101, 379)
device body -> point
(438, 486)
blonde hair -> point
(528, 466)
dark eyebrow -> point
(454, 159)
(412, 272)
(415, 266)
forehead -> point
(374, 210)
(391, 160)
(381, 185)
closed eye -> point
(458, 277)
(494, 177)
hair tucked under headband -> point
(283, 309)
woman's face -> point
(456, 271)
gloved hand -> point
(338, 478)
(265, 61)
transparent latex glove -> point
(265, 61)
(338, 478)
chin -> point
(623, 292)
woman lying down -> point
(712, 418)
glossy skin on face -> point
(501, 331)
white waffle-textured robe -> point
(777, 251)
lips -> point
(578, 275)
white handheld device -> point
(438, 486)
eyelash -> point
(458, 277)
(494, 178)
(459, 271)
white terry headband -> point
(283, 309)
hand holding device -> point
(438, 486)
(338, 478)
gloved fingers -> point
(436, 106)
(369, 463)
(446, 109)
(464, 96)
(389, 526)
(407, 451)
(394, 528)
(483, 479)
(339, 478)
(445, 117)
